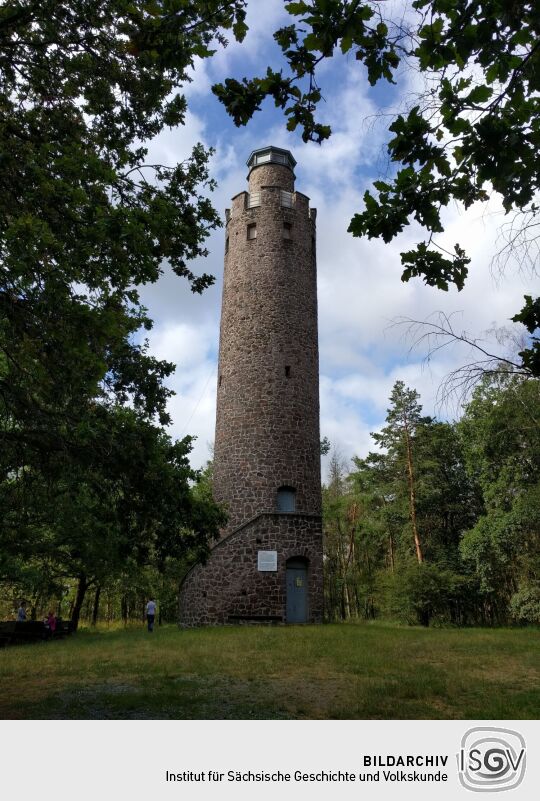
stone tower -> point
(267, 566)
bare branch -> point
(438, 332)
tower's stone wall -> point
(230, 589)
(271, 175)
(267, 425)
(267, 429)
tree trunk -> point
(391, 549)
(343, 603)
(347, 598)
(79, 599)
(95, 610)
(88, 606)
(342, 560)
(125, 609)
(412, 498)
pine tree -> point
(398, 437)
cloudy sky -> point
(360, 292)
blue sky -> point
(359, 289)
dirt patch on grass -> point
(43, 700)
(190, 697)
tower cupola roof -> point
(271, 155)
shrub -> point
(426, 593)
(525, 604)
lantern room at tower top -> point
(271, 166)
(271, 155)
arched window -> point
(286, 499)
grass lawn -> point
(332, 671)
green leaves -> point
(376, 222)
(86, 220)
(242, 99)
(240, 30)
(529, 316)
(502, 440)
(435, 268)
(297, 9)
(475, 132)
(411, 141)
(474, 487)
(324, 27)
(480, 94)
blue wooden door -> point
(297, 596)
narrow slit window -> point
(220, 380)
(288, 371)
(287, 231)
(227, 245)
(252, 231)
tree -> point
(373, 480)
(449, 500)
(475, 132)
(128, 502)
(476, 504)
(337, 601)
(416, 485)
(351, 555)
(501, 435)
(85, 220)
(403, 419)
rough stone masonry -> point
(267, 565)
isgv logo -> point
(491, 759)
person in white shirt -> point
(21, 614)
(151, 614)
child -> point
(51, 623)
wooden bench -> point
(14, 631)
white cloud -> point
(192, 347)
(262, 19)
(360, 291)
(186, 345)
(175, 144)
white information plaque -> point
(267, 560)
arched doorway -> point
(297, 590)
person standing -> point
(21, 614)
(51, 623)
(151, 614)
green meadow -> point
(366, 671)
